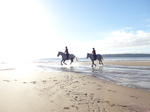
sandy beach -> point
(44, 91)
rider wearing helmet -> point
(67, 53)
(94, 53)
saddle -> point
(95, 56)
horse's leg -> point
(93, 63)
(61, 62)
(100, 60)
(71, 61)
(64, 62)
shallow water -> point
(131, 76)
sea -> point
(131, 76)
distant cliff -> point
(126, 55)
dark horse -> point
(64, 57)
(98, 57)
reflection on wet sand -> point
(123, 75)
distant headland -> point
(126, 55)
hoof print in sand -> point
(44, 81)
(72, 106)
(66, 108)
(34, 82)
(7, 80)
(134, 97)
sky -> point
(40, 28)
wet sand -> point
(128, 62)
(122, 62)
(132, 75)
(43, 91)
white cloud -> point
(119, 41)
(128, 42)
(125, 40)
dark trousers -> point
(94, 56)
(67, 56)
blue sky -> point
(41, 28)
(87, 20)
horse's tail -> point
(101, 57)
(76, 58)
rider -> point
(67, 53)
(94, 53)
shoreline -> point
(129, 73)
(36, 90)
(128, 62)
(120, 62)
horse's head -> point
(87, 55)
(58, 54)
